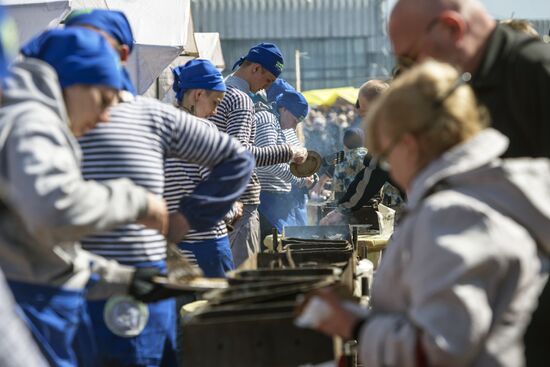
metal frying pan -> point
(309, 167)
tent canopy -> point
(163, 30)
(329, 97)
(33, 16)
(210, 48)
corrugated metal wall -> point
(345, 40)
(542, 26)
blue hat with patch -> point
(294, 102)
(276, 88)
(267, 55)
(8, 42)
(78, 55)
(197, 74)
(112, 22)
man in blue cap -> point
(299, 191)
(60, 90)
(16, 345)
(114, 26)
(278, 204)
(134, 142)
(257, 70)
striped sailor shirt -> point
(140, 134)
(276, 177)
(181, 179)
(235, 116)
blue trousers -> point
(154, 346)
(53, 316)
(299, 210)
(213, 256)
(277, 208)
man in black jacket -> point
(510, 70)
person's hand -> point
(332, 218)
(309, 183)
(238, 207)
(299, 155)
(156, 216)
(142, 287)
(341, 320)
(178, 227)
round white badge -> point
(124, 316)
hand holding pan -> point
(309, 167)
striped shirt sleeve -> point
(196, 142)
(268, 135)
(241, 124)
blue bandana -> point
(112, 22)
(78, 55)
(294, 102)
(266, 54)
(276, 88)
(115, 24)
(8, 42)
(197, 74)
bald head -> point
(368, 92)
(453, 31)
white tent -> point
(163, 30)
(210, 48)
(33, 16)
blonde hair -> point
(521, 25)
(422, 102)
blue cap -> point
(8, 42)
(266, 54)
(276, 88)
(78, 55)
(197, 74)
(294, 102)
(115, 24)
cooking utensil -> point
(191, 285)
(309, 167)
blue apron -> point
(53, 315)
(213, 255)
(277, 208)
(154, 346)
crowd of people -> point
(96, 181)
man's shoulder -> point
(235, 99)
(265, 117)
(526, 50)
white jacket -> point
(460, 277)
(46, 205)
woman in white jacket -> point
(461, 276)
